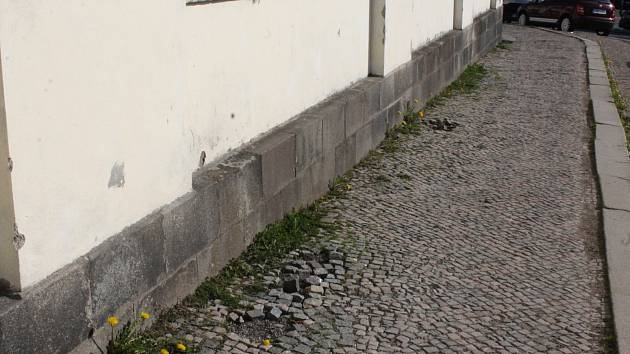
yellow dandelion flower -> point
(164, 351)
(181, 347)
(266, 342)
(145, 315)
(421, 114)
(112, 320)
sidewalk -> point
(480, 239)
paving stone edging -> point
(613, 170)
(158, 261)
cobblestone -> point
(480, 239)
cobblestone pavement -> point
(481, 239)
(617, 48)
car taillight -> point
(579, 9)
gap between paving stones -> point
(613, 169)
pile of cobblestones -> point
(307, 281)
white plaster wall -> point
(431, 19)
(151, 83)
(411, 23)
(480, 6)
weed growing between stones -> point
(504, 45)
(620, 102)
(414, 119)
(130, 339)
(467, 82)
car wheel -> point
(603, 33)
(566, 25)
(522, 20)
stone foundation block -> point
(52, 317)
(277, 154)
(125, 266)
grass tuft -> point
(467, 83)
(620, 102)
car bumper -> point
(595, 23)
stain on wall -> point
(117, 177)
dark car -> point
(511, 9)
(598, 15)
(624, 22)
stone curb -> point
(613, 170)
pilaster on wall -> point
(495, 4)
(463, 16)
(378, 13)
(9, 266)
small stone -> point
(336, 287)
(300, 316)
(312, 302)
(297, 297)
(308, 255)
(283, 307)
(320, 271)
(233, 336)
(291, 285)
(315, 289)
(334, 255)
(259, 306)
(275, 314)
(314, 264)
(233, 317)
(313, 280)
(255, 314)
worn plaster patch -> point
(117, 176)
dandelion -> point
(266, 342)
(144, 315)
(181, 347)
(112, 320)
(421, 114)
(164, 351)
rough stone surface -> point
(126, 266)
(278, 157)
(605, 112)
(51, 323)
